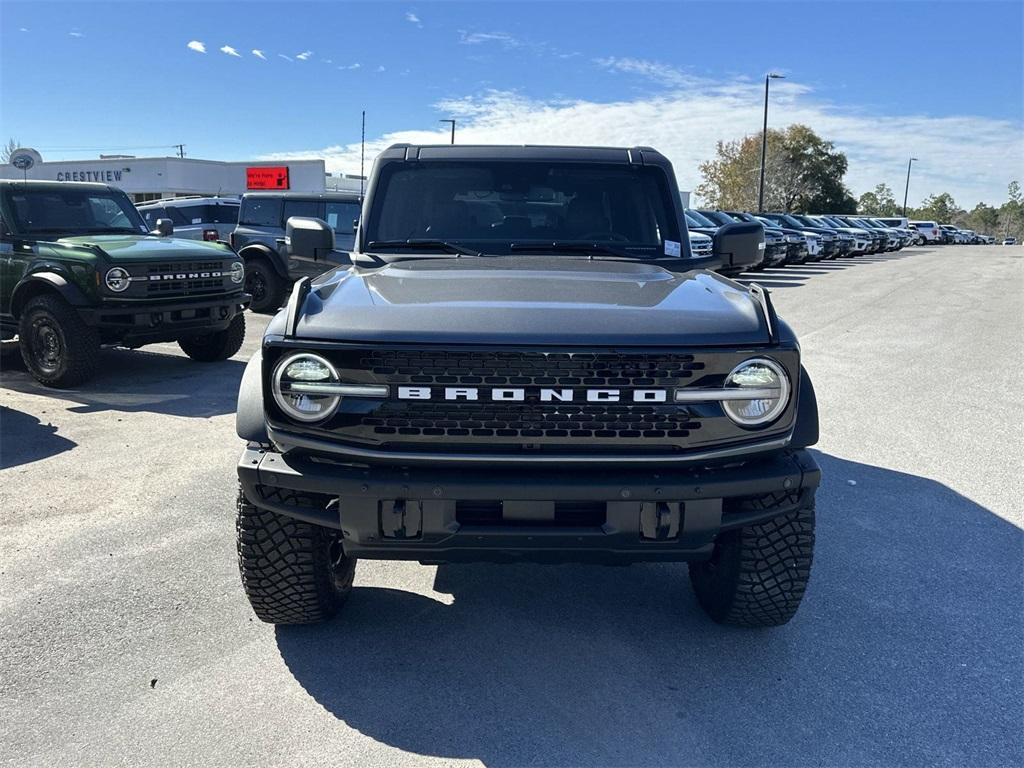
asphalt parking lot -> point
(125, 638)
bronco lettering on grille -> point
(517, 394)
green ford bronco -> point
(80, 269)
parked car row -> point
(792, 238)
(930, 232)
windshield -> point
(698, 219)
(496, 207)
(717, 217)
(786, 220)
(71, 211)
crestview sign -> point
(101, 176)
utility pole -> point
(453, 127)
(362, 158)
(764, 140)
(181, 149)
(906, 190)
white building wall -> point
(169, 176)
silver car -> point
(195, 218)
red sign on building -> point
(267, 177)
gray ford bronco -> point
(525, 362)
(79, 268)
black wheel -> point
(758, 574)
(59, 349)
(219, 345)
(292, 572)
(266, 286)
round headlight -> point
(295, 384)
(118, 279)
(237, 272)
(767, 386)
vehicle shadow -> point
(24, 439)
(906, 651)
(142, 380)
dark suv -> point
(525, 363)
(259, 239)
(79, 269)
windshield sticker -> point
(672, 248)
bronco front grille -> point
(531, 368)
(532, 420)
(186, 278)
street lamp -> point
(453, 128)
(906, 189)
(764, 139)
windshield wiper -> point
(421, 243)
(575, 247)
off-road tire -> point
(58, 348)
(292, 572)
(219, 345)
(265, 285)
(758, 574)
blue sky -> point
(941, 81)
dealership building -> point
(153, 178)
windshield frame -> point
(663, 210)
(17, 227)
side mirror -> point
(739, 246)
(164, 227)
(308, 237)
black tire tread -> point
(82, 342)
(285, 567)
(216, 346)
(760, 572)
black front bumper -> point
(150, 322)
(567, 514)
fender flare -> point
(259, 250)
(250, 423)
(805, 432)
(38, 282)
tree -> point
(8, 149)
(803, 172)
(879, 202)
(941, 208)
(983, 219)
(1011, 213)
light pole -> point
(453, 128)
(906, 190)
(764, 140)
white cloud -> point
(230, 51)
(412, 18)
(23, 29)
(380, 68)
(259, 54)
(686, 122)
(75, 33)
(286, 58)
(197, 46)
(356, 65)
(304, 55)
(482, 38)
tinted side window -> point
(225, 214)
(340, 217)
(195, 214)
(261, 212)
(301, 208)
(150, 215)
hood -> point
(526, 300)
(129, 248)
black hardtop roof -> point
(54, 185)
(428, 152)
(326, 195)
